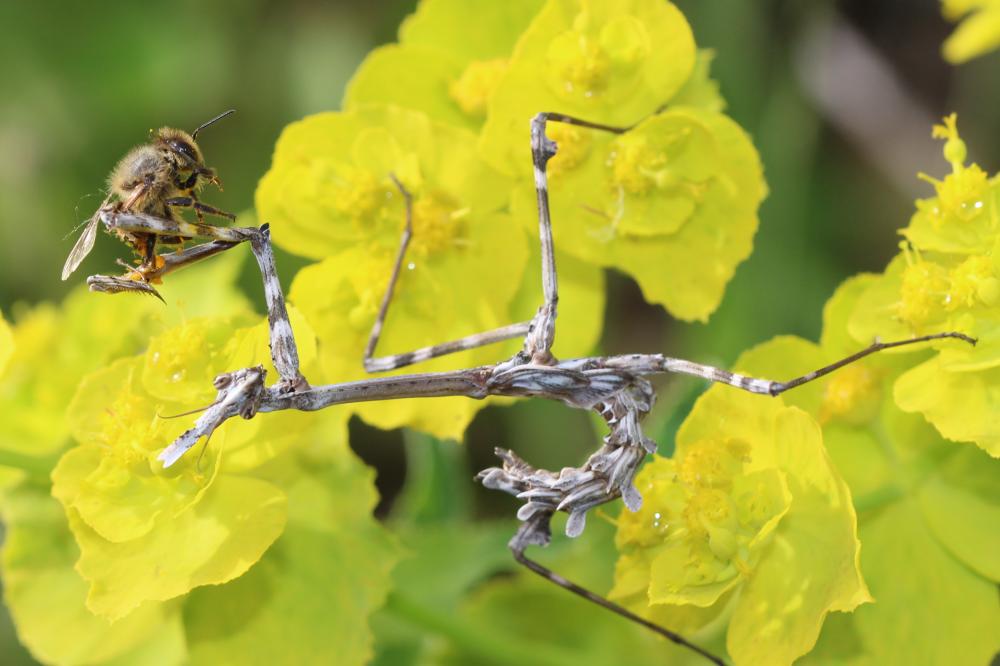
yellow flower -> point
(964, 216)
(463, 268)
(672, 202)
(919, 498)
(947, 279)
(451, 56)
(979, 31)
(729, 525)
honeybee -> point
(153, 178)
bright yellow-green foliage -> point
(450, 57)
(131, 539)
(978, 32)
(749, 518)
(610, 62)
(680, 191)
(947, 278)
(927, 508)
(260, 546)
(329, 194)
(672, 202)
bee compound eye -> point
(184, 149)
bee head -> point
(181, 146)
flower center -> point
(712, 464)
(579, 64)
(851, 394)
(127, 427)
(438, 223)
(596, 54)
(973, 282)
(359, 195)
(473, 89)
(574, 146)
(636, 165)
(923, 290)
(960, 196)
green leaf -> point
(812, 567)
(309, 598)
(46, 597)
(223, 535)
(961, 405)
(966, 524)
(929, 609)
(444, 562)
(436, 489)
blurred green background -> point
(838, 96)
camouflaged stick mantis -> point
(616, 387)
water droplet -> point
(411, 266)
(156, 357)
(977, 205)
(177, 376)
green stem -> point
(487, 646)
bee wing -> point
(84, 244)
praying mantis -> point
(616, 387)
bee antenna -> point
(194, 134)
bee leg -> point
(149, 250)
(169, 240)
(191, 202)
(210, 176)
(188, 183)
(197, 210)
(133, 273)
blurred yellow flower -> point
(978, 32)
